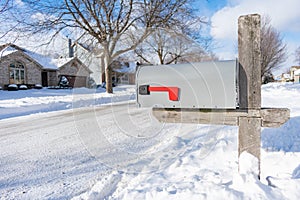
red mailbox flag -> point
(172, 91)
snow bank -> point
(102, 189)
(206, 165)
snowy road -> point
(39, 152)
(58, 155)
(43, 156)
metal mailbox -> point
(190, 85)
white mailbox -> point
(191, 85)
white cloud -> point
(39, 16)
(19, 3)
(283, 13)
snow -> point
(248, 164)
(286, 76)
(61, 61)
(26, 102)
(44, 61)
(7, 50)
(100, 146)
(297, 72)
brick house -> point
(21, 66)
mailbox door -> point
(191, 85)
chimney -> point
(71, 50)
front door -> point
(45, 79)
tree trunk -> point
(108, 76)
(108, 80)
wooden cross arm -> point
(271, 117)
(274, 117)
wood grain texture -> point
(249, 61)
(270, 117)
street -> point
(58, 155)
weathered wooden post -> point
(249, 84)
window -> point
(16, 73)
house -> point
(285, 77)
(21, 66)
(295, 73)
(297, 76)
(74, 70)
(125, 73)
(91, 57)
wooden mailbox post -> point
(249, 116)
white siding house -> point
(92, 58)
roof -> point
(286, 76)
(131, 68)
(295, 67)
(44, 61)
(7, 50)
(61, 62)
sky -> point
(223, 17)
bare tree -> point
(169, 46)
(5, 5)
(180, 43)
(273, 50)
(118, 26)
(297, 55)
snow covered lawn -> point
(25, 102)
(100, 146)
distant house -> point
(284, 77)
(92, 57)
(21, 66)
(124, 73)
(295, 73)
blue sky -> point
(223, 16)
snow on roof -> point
(61, 61)
(44, 61)
(7, 50)
(287, 76)
(297, 72)
(127, 69)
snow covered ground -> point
(26, 102)
(100, 146)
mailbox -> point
(190, 85)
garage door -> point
(76, 81)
